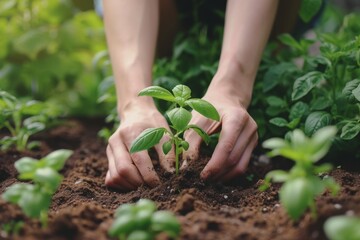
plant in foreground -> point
(179, 118)
(141, 221)
(342, 228)
(23, 119)
(302, 183)
(12, 228)
(34, 199)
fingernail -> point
(204, 175)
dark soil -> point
(83, 206)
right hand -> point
(129, 171)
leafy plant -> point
(141, 221)
(342, 227)
(34, 199)
(23, 119)
(179, 118)
(12, 227)
(302, 183)
(45, 50)
(309, 88)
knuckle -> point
(232, 161)
(137, 159)
(122, 171)
(228, 146)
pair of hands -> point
(238, 138)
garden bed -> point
(83, 206)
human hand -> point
(129, 171)
(238, 136)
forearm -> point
(131, 31)
(247, 27)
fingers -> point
(195, 139)
(143, 163)
(122, 174)
(230, 133)
(243, 162)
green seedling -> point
(141, 221)
(34, 199)
(179, 117)
(302, 183)
(342, 227)
(22, 119)
(12, 228)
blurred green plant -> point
(302, 183)
(34, 199)
(23, 119)
(141, 221)
(342, 228)
(46, 49)
(309, 87)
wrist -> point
(136, 104)
(230, 80)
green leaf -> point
(290, 41)
(296, 195)
(146, 204)
(33, 107)
(293, 124)
(303, 85)
(49, 177)
(350, 130)
(33, 41)
(140, 235)
(184, 145)
(278, 176)
(56, 159)
(166, 147)
(349, 88)
(125, 209)
(274, 143)
(356, 93)
(204, 108)
(26, 166)
(201, 133)
(278, 121)
(164, 221)
(123, 225)
(309, 8)
(320, 103)
(298, 110)
(315, 121)
(179, 118)
(157, 92)
(14, 192)
(34, 202)
(276, 74)
(342, 227)
(147, 139)
(182, 91)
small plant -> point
(179, 118)
(342, 227)
(302, 183)
(23, 119)
(141, 221)
(34, 199)
(12, 228)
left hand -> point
(238, 136)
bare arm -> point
(131, 30)
(247, 27)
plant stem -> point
(177, 153)
(43, 219)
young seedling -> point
(179, 118)
(34, 199)
(302, 183)
(11, 228)
(141, 221)
(22, 119)
(342, 227)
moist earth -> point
(83, 206)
